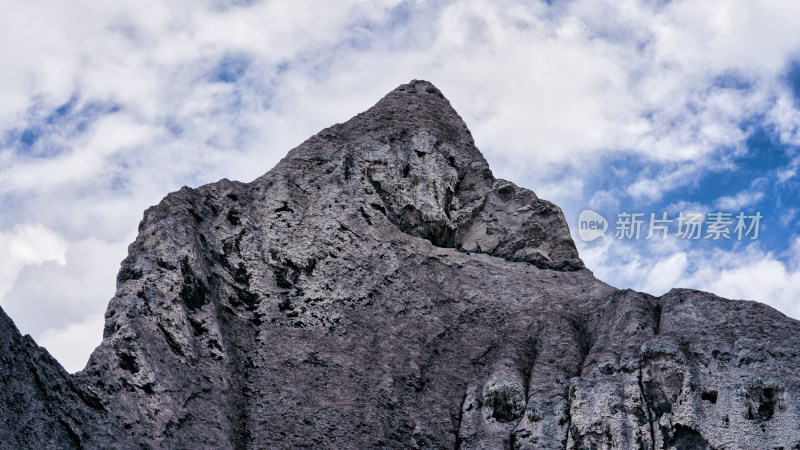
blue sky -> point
(638, 106)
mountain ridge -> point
(380, 288)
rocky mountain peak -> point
(415, 158)
(379, 288)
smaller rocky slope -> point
(688, 370)
(41, 406)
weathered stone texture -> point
(379, 288)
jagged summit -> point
(414, 108)
(416, 159)
(379, 288)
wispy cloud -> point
(744, 199)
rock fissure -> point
(651, 423)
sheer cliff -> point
(380, 288)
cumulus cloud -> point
(53, 293)
(58, 301)
(108, 106)
(63, 342)
(748, 273)
(28, 245)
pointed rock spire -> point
(415, 152)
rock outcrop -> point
(380, 288)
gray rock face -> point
(379, 288)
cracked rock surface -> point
(380, 288)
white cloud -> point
(652, 187)
(748, 273)
(674, 209)
(568, 188)
(26, 245)
(87, 160)
(788, 216)
(54, 293)
(790, 171)
(69, 344)
(765, 279)
(743, 199)
(739, 201)
(604, 200)
(666, 273)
